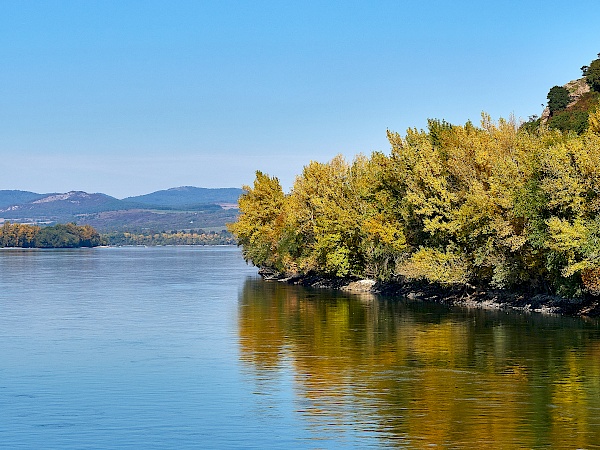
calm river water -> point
(185, 347)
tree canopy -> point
(558, 99)
(592, 74)
(488, 205)
(57, 236)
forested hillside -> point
(500, 205)
(14, 197)
(569, 106)
(186, 196)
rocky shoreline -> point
(467, 296)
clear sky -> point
(129, 97)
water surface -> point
(184, 347)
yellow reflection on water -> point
(422, 375)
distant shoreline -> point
(117, 246)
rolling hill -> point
(172, 209)
(13, 197)
(186, 196)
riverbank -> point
(466, 296)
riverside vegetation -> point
(183, 237)
(176, 216)
(73, 236)
(57, 236)
(495, 206)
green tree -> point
(57, 236)
(565, 121)
(558, 99)
(325, 218)
(592, 74)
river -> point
(186, 347)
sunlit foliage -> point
(158, 238)
(58, 236)
(260, 227)
(491, 206)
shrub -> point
(564, 121)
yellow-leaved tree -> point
(261, 220)
(493, 205)
(324, 219)
(570, 181)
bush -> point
(564, 121)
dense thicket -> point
(57, 236)
(490, 206)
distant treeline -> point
(199, 237)
(489, 206)
(72, 236)
(56, 236)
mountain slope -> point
(174, 209)
(14, 197)
(63, 205)
(187, 196)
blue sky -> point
(128, 97)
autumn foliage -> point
(489, 205)
(57, 236)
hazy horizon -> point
(127, 98)
(118, 198)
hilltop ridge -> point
(184, 207)
(188, 195)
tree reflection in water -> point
(422, 374)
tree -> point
(594, 121)
(565, 121)
(558, 99)
(325, 217)
(592, 75)
(258, 228)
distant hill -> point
(184, 208)
(140, 220)
(186, 196)
(60, 205)
(9, 198)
